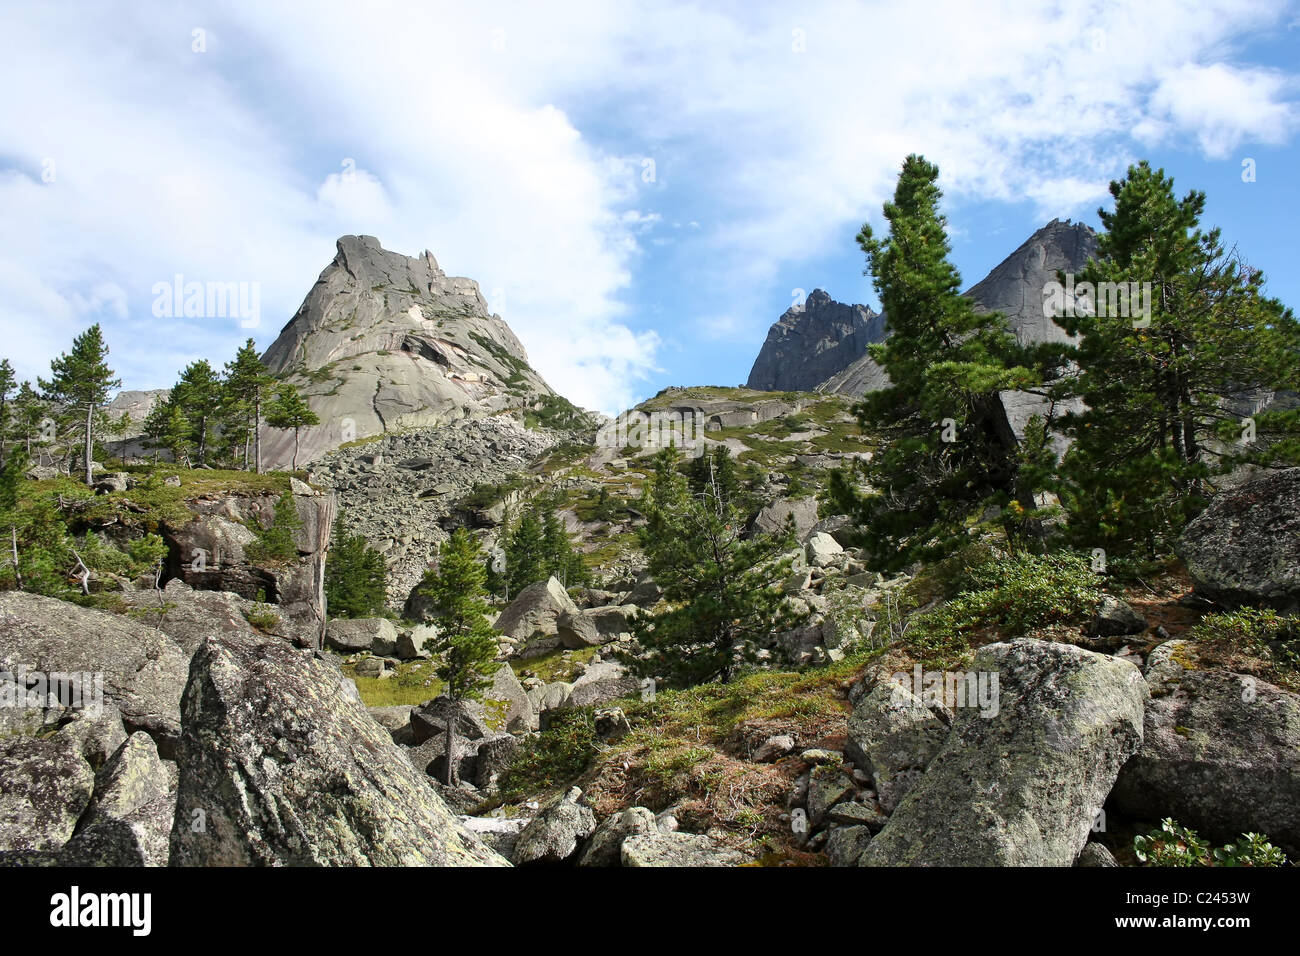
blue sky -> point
(639, 188)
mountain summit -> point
(823, 346)
(812, 341)
(384, 342)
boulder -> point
(493, 756)
(47, 785)
(374, 634)
(845, 845)
(418, 642)
(774, 748)
(144, 671)
(893, 736)
(556, 833)
(827, 786)
(678, 849)
(1244, 548)
(277, 766)
(1022, 787)
(1221, 753)
(595, 626)
(772, 518)
(130, 818)
(823, 550)
(600, 683)
(506, 703)
(535, 609)
(606, 844)
(1095, 854)
(188, 616)
(646, 593)
(430, 720)
(1112, 621)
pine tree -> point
(199, 395)
(29, 410)
(942, 456)
(288, 409)
(560, 559)
(8, 383)
(1154, 375)
(249, 384)
(169, 428)
(81, 379)
(525, 552)
(276, 542)
(724, 601)
(466, 641)
(33, 536)
(356, 576)
(716, 466)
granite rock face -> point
(813, 341)
(1021, 785)
(384, 342)
(278, 766)
(829, 339)
(1245, 547)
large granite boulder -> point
(557, 832)
(144, 670)
(1221, 753)
(772, 518)
(536, 610)
(377, 635)
(1244, 548)
(279, 766)
(675, 849)
(1022, 784)
(130, 818)
(47, 785)
(893, 736)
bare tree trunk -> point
(18, 574)
(257, 432)
(449, 751)
(90, 437)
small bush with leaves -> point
(1012, 595)
(276, 542)
(1176, 845)
(554, 757)
(1268, 637)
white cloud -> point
(1224, 105)
(512, 141)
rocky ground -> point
(1142, 701)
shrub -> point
(1176, 845)
(1272, 639)
(554, 757)
(1010, 595)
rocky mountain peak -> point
(1015, 286)
(812, 341)
(387, 342)
(803, 344)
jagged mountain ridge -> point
(1014, 287)
(812, 341)
(385, 342)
